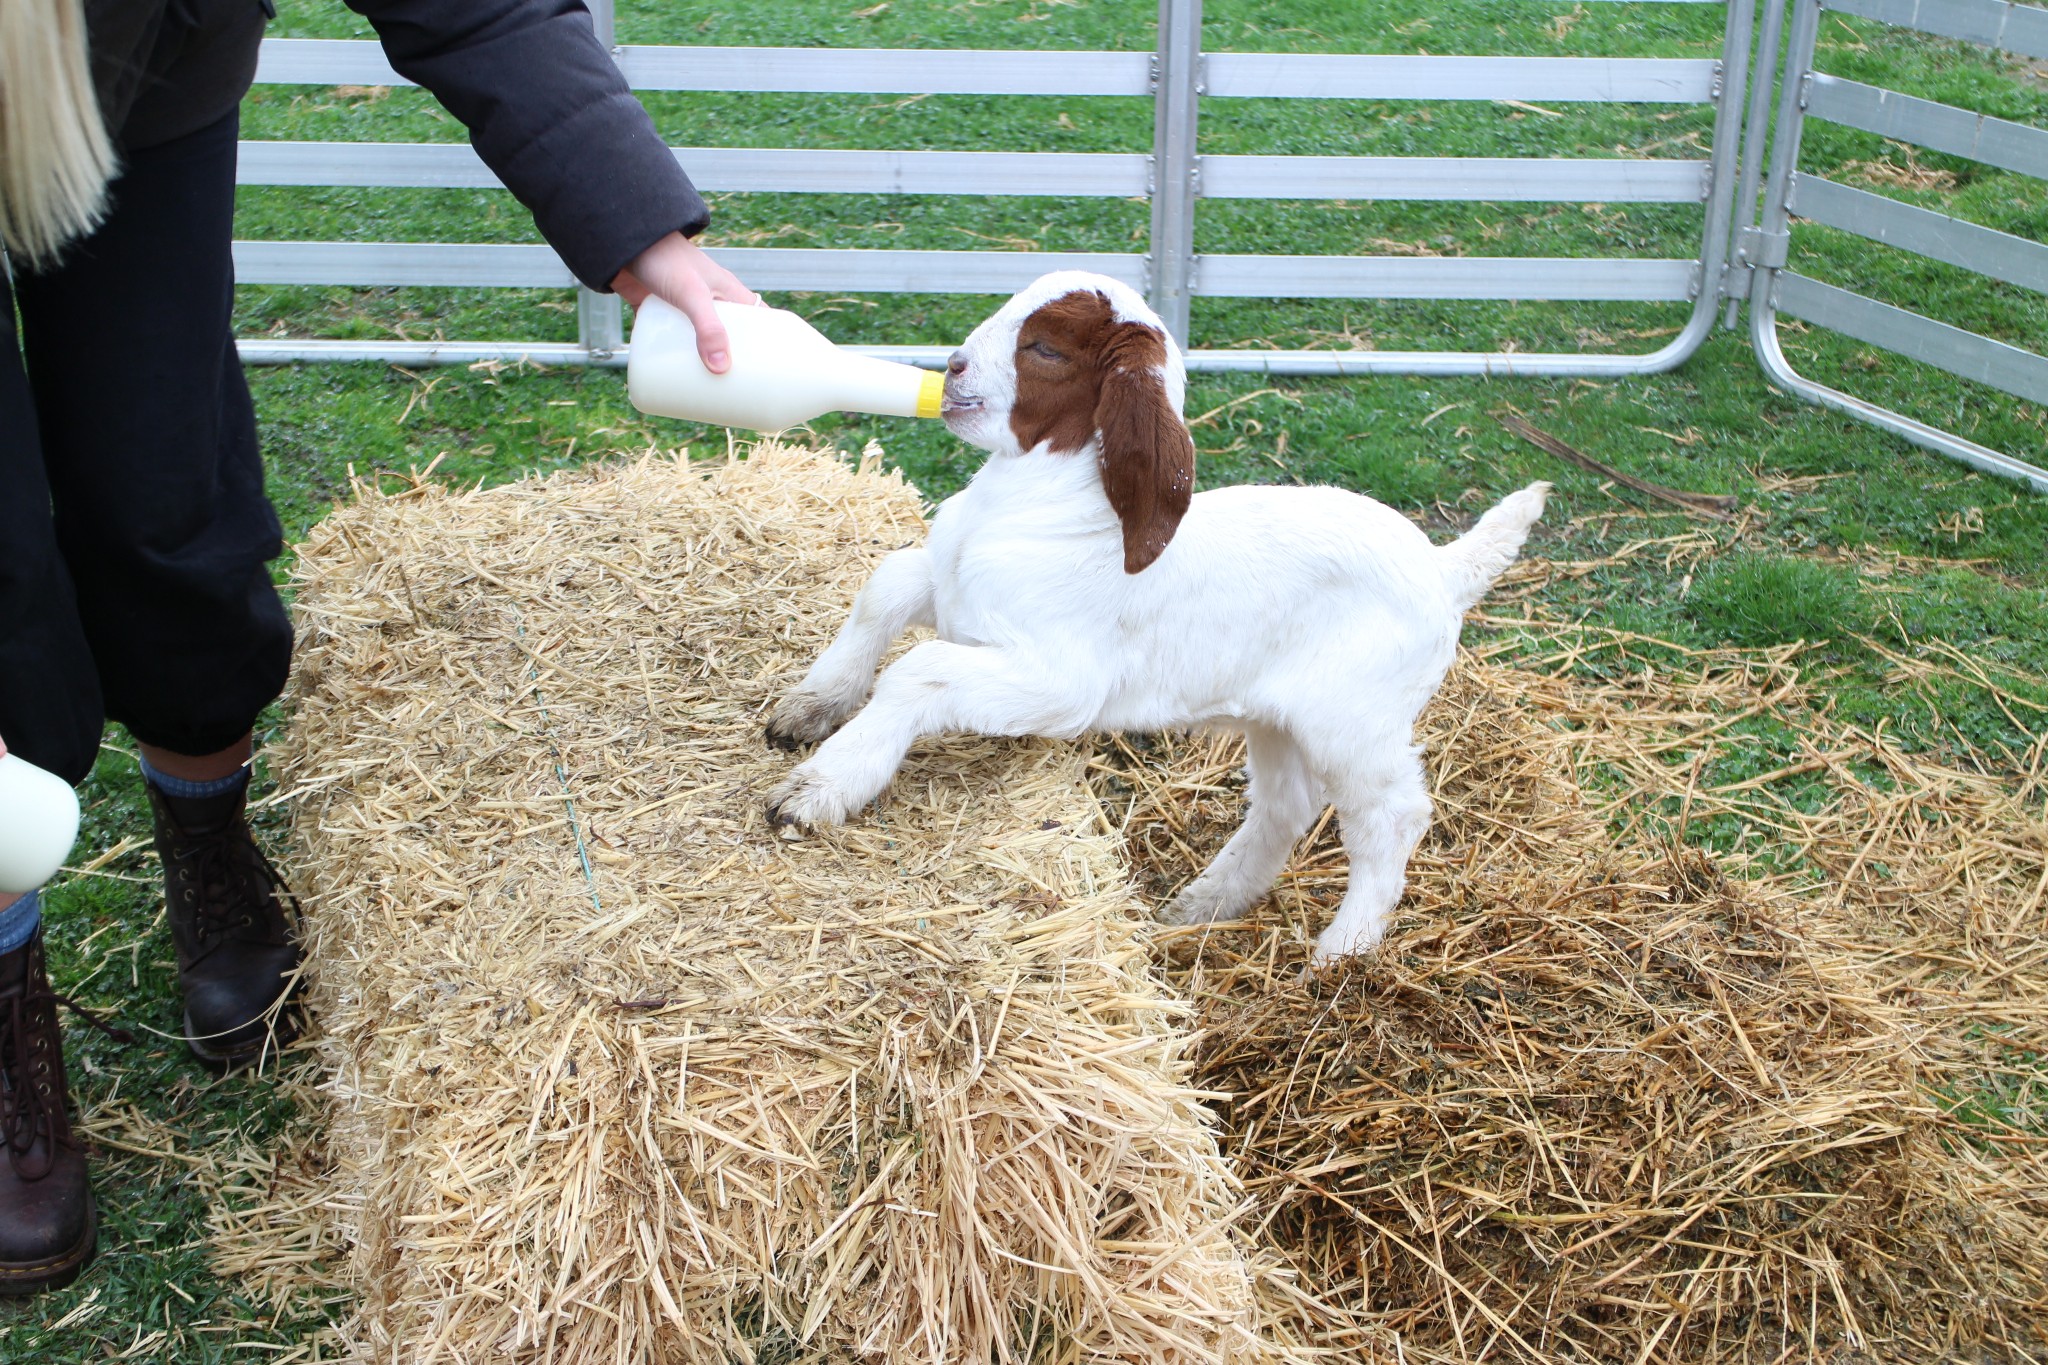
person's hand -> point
(677, 271)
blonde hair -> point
(55, 155)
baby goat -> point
(1076, 585)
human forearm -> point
(550, 114)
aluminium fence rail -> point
(1735, 262)
(1179, 77)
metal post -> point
(600, 318)
(1777, 216)
(1752, 149)
(1177, 86)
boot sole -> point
(225, 1060)
(40, 1277)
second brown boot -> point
(231, 922)
(48, 1225)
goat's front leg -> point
(937, 688)
(897, 597)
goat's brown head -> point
(1078, 362)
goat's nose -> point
(957, 363)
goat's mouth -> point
(955, 404)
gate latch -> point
(1762, 250)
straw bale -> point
(612, 1071)
(1597, 1099)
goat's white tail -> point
(1482, 554)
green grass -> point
(1769, 599)
(1848, 536)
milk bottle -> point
(38, 824)
(783, 372)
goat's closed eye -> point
(1039, 348)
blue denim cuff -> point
(18, 921)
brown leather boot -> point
(48, 1225)
(233, 923)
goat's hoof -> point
(1328, 954)
(1190, 910)
(803, 719)
(805, 800)
(1321, 966)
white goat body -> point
(1315, 621)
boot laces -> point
(32, 1118)
(234, 881)
(32, 1090)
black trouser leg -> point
(49, 688)
(149, 441)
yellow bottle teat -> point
(931, 394)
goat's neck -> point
(1041, 485)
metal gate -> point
(1774, 289)
(1177, 178)
(1179, 77)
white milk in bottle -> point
(38, 824)
(783, 372)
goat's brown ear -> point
(1148, 457)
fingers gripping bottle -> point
(783, 372)
(38, 824)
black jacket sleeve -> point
(550, 114)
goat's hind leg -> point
(1384, 812)
(897, 597)
(1285, 798)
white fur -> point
(1315, 621)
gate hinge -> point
(1201, 73)
(1151, 177)
(1805, 89)
(1720, 78)
(1152, 75)
(1760, 250)
(1695, 279)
